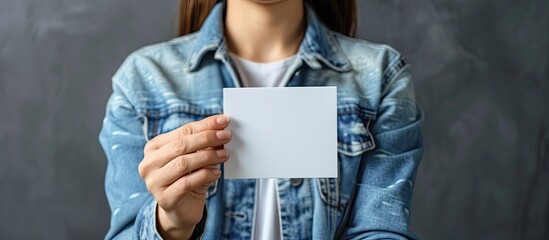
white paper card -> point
(281, 132)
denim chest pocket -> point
(353, 133)
(353, 139)
(159, 122)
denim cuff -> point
(146, 221)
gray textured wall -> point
(481, 74)
(481, 71)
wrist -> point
(170, 230)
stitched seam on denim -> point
(345, 63)
(192, 64)
(392, 80)
(395, 67)
(405, 156)
(320, 190)
(159, 113)
(319, 58)
(142, 52)
(337, 192)
(366, 43)
(408, 127)
(184, 40)
(354, 108)
(340, 51)
(155, 128)
(367, 143)
(326, 198)
(353, 154)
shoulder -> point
(151, 63)
(169, 52)
(367, 56)
(150, 71)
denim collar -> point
(318, 46)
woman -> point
(163, 132)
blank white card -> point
(281, 132)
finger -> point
(187, 184)
(185, 164)
(216, 122)
(189, 144)
(204, 188)
(212, 148)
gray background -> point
(481, 73)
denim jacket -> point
(163, 86)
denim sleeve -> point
(382, 198)
(133, 209)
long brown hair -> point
(338, 15)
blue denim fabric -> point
(161, 87)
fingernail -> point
(223, 135)
(222, 120)
(222, 153)
(216, 171)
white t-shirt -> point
(266, 216)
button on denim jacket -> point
(163, 86)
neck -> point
(264, 31)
